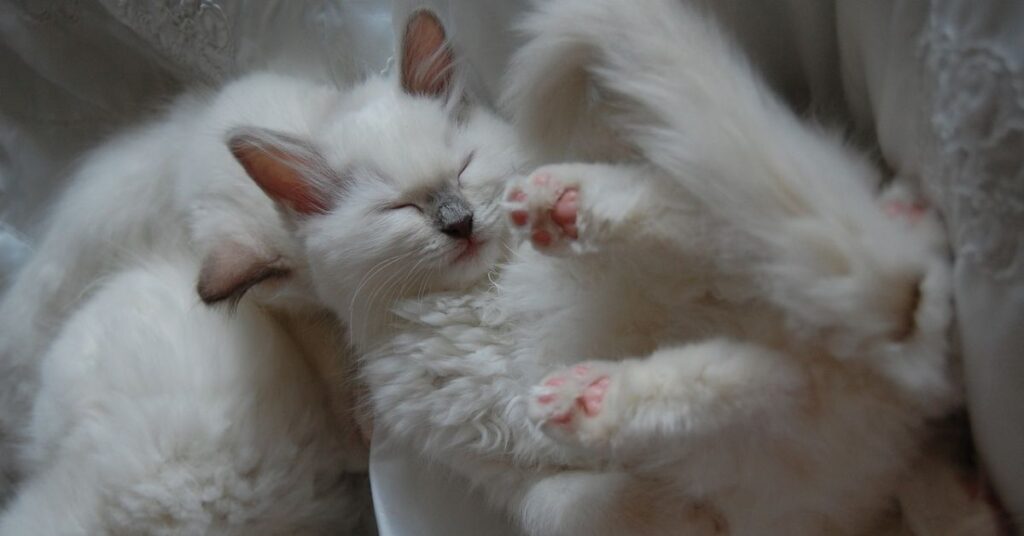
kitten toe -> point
(899, 202)
(910, 212)
(565, 211)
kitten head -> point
(396, 191)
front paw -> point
(546, 206)
(578, 405)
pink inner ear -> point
(277, 173)
(426, 58)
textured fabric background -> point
(937, 85)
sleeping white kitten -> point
(176, 181)
(169, 182)
(157, 415)
(143, 194)
(719, 331)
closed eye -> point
(405, 205)
(465, 164)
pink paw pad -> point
(561, 418)
(564, 211)
(546, 399)
(593, 396)
(546, 207)
(908, 211)
(557, 381)
(580, 404)
(589, 401)
(519, 217)
(541, 237)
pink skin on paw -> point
(541, 179)
(541, 237)
(545, 399)
(561, 418)
(564, 211)
(593, 396)
(519, 217)
(909, 211)
(588, 402)
(557, 381)
(517, 195)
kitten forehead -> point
(403, 139)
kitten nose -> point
(459, 228)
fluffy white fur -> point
(179, 181)
(772, 342)
(158, 415)
(165, 183)
(174, 462)
(175, 181)
(769, 341)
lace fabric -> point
(973, 63)
(76, 70)
(195, 33)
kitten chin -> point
(473, 263)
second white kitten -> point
(158, 415)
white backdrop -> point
(936, 84)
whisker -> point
(366, 279)
(385, 287)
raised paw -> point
(901, 204)
(547, 207)
(577, 405)
(910, 212)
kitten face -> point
(394, 192)
(418, 210)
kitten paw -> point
(576, 405)
(900, 203)
(910, 212)
(548, 207)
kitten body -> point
(173, 186)
(731, 336)
(158, 415)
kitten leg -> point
(839, 271)
(873, 283)
(867, 286)
(629, 408)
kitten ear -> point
(290, 171)
(427, 58)
(231, 269)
